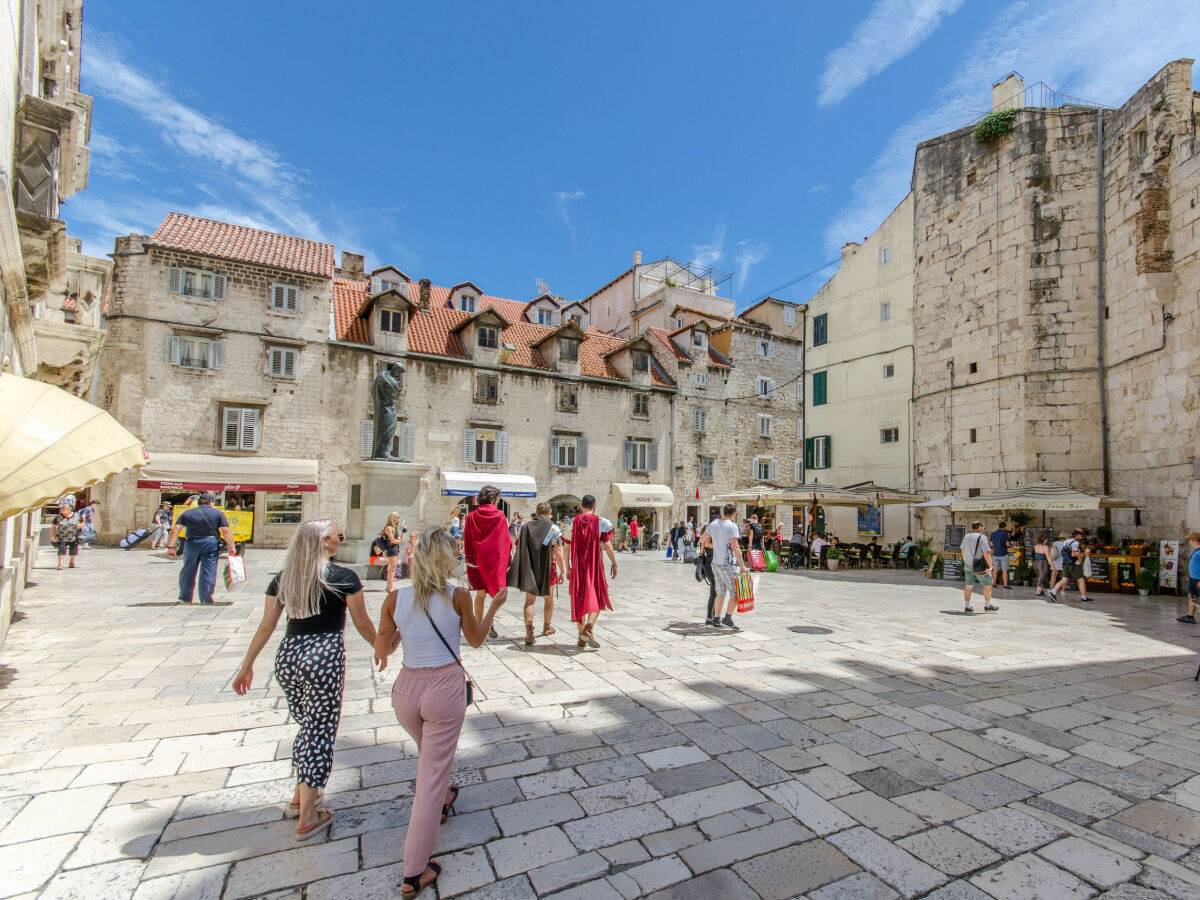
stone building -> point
(859, 376)
(647, 294)
(245, 360)
(44, 129)
(1055, 281)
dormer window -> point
(466, 303)
(698, 339)
(391, 320)
(568, 349)
(487, 337)
(679, 321)
(641, 361)
(545, 316)
(385, 285)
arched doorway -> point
(563, 505)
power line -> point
(797, 280)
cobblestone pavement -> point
(858, 739)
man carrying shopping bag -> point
(727, 563)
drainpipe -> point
(1100, 306)
(673, 443)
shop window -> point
(708, 467)
(391, 320)
(239, 427)
(568, 398)
(284, 509)
(488, 338)
(285, 297)
(641, 456)
(487, 387)
(641, 405)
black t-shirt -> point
(756, 534)
(331, 615)
(202, 522)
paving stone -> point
(565, 873)
(1029, 876)
(720, 826)
(1165, 820)
(1139, 839)
(122, 832)
(890, 863)
(691, 778)
(879, 814)
(378, 883)
(986, 790)
(791, 759)
(549, 783)
(530, 815)
(528, 851)
(828, 782)
(860, 886)
(695, 805)
(57, 812)
(112, 881)
(885, 782)
(743, 845)
(934, 807)
(795, 869)
(1094, 864)
(625, 853)
(616, 795)
(751, 767)
(257, 876)
(672, 758)
(1122, 781)
(198, 884)
(957, 890)
(658, 873)
(1008, 830)
(1036, 775)
(663, 843)
(461, 872)
(616, 826)
(616, 769)
(949, 850)
(516, 888)
(1089, 799)
(815, 813)
(722, 883)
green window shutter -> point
(820, 388)
(828, 451)
(808, 453)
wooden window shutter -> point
(216, 355)
(218, 287)
(828, 451)
(174, 280)
(581, 453)
(279, 296)
(289, 363)
(652, 457)
(172, 351)
(808, 453)
(469, 445)
(502, 447)
(231, 420)
(408, 440)
(367, 438)
(754, 468)
(629, 456)
(554, 449)
(797, 474)
(249, 429)
(293, 298)
(772, 470)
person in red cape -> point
(589, 592)
(487, 547)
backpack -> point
(1056, 551)
(379, 546)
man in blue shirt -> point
(1193, 578)
(205, 527)
(1000, 538)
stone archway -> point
(563, 505)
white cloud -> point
(749, 253)
(891, 31)
(562, 200)
(818, 188)
(711, 253)
(1099, 50)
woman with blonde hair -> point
(392, 534)
(310, 664)
(429, 697)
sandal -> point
(582, 640)
(324, 820)
(528, 635)
(591, 640)
(413, 885)
(293, 809)
(549, 630)
(448, 808)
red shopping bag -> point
(743, 592)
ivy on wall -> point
(995, 124)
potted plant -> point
(833, 558)
(1104, 534)
(1147, 577)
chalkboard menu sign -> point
(1101, 573)
(952, 569)
(954, 539)
(1126, 576)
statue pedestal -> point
(375, 489)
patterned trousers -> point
(311, 669)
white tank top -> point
(422, 647)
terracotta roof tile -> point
(347, 298)
(510, 309)
(716, 359)
(206, 237)
(665, 339)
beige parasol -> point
(1043, 495)
(51, 442)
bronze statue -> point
(384, 390)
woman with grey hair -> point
(311, 662)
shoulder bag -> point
(470, 683)
(978, 561)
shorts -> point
(392, 551)
(1194, 588)
(67, 547)
(983, 579)
(1001, 562)
(1075, 571)
(724, 577)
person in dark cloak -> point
(535, 565)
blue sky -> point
(504, 143)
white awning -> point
(468, 484)
(202, 472)
(635, 496)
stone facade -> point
(1009, 315)
(859, 378)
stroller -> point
(795, 558)
(652, 541)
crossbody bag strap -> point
(444, 643)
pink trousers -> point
(430, 705)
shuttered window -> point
(403, 444)
(641, 405)
(487, 387)
(820, 388)
(764, 469)
(699, 420)
(282, 361)
(568, 451)
(766, 387)
(707, 468)
(818, 452)
(196, 283)
(641, 456)
(485, 445)
(194, 353)
(798, 472)
(285, 297)
(820, 329)
(764, 426)
(239, 428)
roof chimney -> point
(423, 293)
(637, 257)
(352, 267)
(1008, 92)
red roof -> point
(206, 237)
(510, 309)
(665, 339)
(433, 333)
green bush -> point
(995, 124)
(833, 553)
